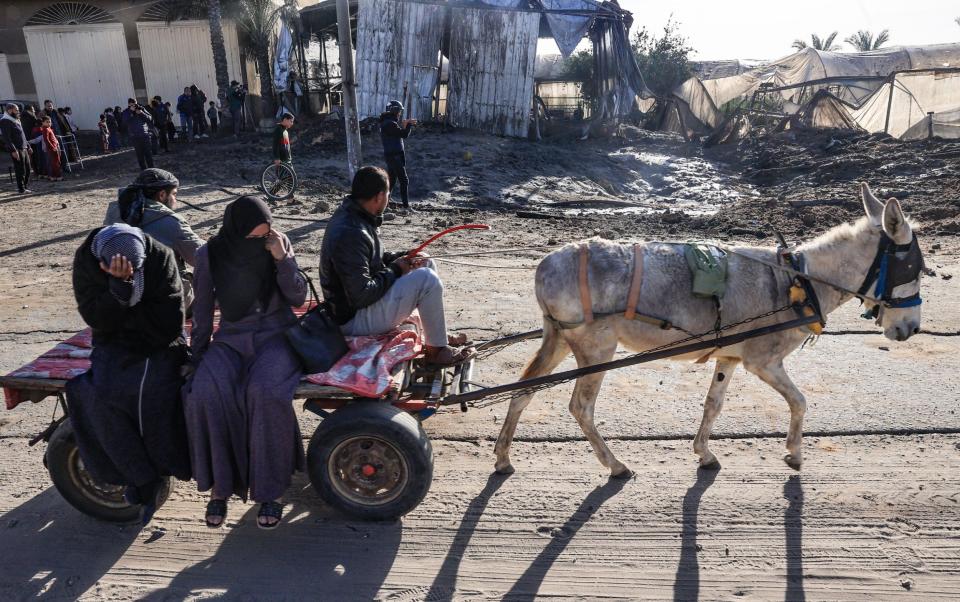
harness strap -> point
(633, 297)
(585, 299)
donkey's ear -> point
(871, 204)
(895, 223)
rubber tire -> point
(273, 197)
(60, 450)
(379, 419)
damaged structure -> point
(474, 63)
(906, 92)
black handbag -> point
(316, 337)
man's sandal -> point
(216, 509)
(447, 356)
(270, 510)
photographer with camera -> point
(235, 100)
(139, 123)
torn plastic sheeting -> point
(568, 30)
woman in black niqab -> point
(242, 268)
(244, 435)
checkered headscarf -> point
(127, 241)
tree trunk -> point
(219, 50)
(266, 84)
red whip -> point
(414, 252)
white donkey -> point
(843, 256)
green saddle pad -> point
(708, 264)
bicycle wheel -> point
(279, 181)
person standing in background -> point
(68, 115)
(235, 100)
(213, 113)
(139, 123)
(121, 127)
(104, 134)
(159, 111)
(15, 142)
(198, 102)
(185, 109)
(51, 149)
(113, 126)
(393, 131)
(30, 122)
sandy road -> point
(848, 527)
(872, 516)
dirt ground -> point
(874, 514)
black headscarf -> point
(132, 199)
(243, 269)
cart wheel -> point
(81, 490)
(279, 182)
(371, 460)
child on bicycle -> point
(281, 140)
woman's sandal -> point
(216, 508)
(269, 510)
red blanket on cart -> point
(365, 370)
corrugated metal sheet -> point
(84, 67)
(179, 54)
(492, 61)
(398, 43)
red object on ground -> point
(414, 252)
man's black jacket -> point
(392, 135)
(12, 134)
(354, 270)
(153, 324)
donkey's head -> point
(895, 275)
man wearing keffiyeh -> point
(126, 411)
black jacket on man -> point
(153, 324)
(392, 135)
(139, 125)
(12, 134)
(354, 270)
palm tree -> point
(258, 19)
(817, 43)
(864, 41)
(219, 49)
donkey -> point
(842, 256)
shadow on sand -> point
(687, 583)
(51, 551)
(793, 527)
(528, 585)
(313, 555)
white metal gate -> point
(179, 54)
(84, 67)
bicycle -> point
(279, 181)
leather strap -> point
(585, 299)
(634, 295)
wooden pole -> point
(351, 123)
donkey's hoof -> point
(504, 468)
(793, 461)
(621, 472)
(711, 466)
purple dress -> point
(243, 431)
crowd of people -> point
(219, 410)
(35, 141)
(39, 142)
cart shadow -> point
(687, 583)
(313, 554)
(50, 550)
(528, 585)
(445, 583)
